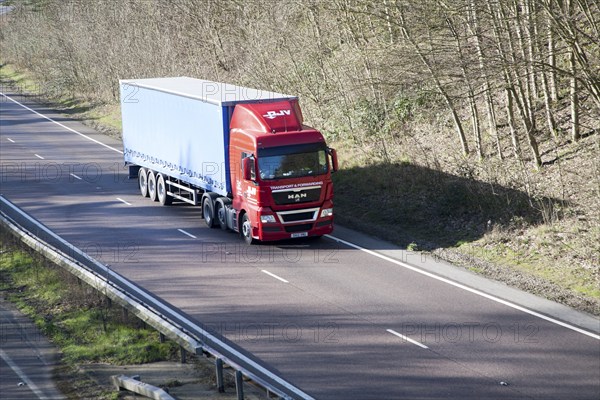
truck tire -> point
(221, 212)
(208, 210)
(246, 230)
(143, 182)
(161, 191)
(220, 215)
(152, 185)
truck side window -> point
(253, 168)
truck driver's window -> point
(252, 169)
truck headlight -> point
(326, 212)
(267, 219)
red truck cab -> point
(281, 174)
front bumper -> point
(273, 232)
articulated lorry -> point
(244, 155)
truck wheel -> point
(221, 215)
(161, 191)
(143, 181)
(246, 230)
(208, 211)
(152, 185)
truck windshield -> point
(281, 163)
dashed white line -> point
(264, 271)
(187, 233)
(406, 338)
(76, 177)
(61, 125)
(123, 201)
(10, 140)
(40, 157)
(468, 289)
(32, 386)
(193, 325)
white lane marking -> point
(40, 157)
(76, 177)
(393, 332)
(187, 233)
(61, 125)
(123, 201)
(264, 271)
(468, 289)
(10, 140)
(22, 375)
(174, 311)
(25, 339)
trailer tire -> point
(152, 185)
(143, 182)
(208, 210)
(246, 230)
(161, 191)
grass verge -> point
(76, 318)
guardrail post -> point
(219, 367)
(183, 354)
(239, 385)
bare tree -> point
(487, 88)
(470, 91)
(406, 33)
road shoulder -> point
(432, 264)
(28, 354)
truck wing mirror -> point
(249, 169)
(334, 159)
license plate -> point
(299, 234)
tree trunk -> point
(490, 111)
(530, 130)
(546, 92)
(575, 133)
(566, 25)
(471, 95)
(516, 148)
(458, 125)
(521, 99)
(530, 15)
(522, 61)
(388, 21)
(574, 98)
(552, 62)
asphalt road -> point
(26, 358)
(337, 321)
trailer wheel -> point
(246, 230)
(143, 182)
(152, 185)
(161, 191)
(208, 211)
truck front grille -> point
(298, 216)
(305, 215)
(297, 196)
